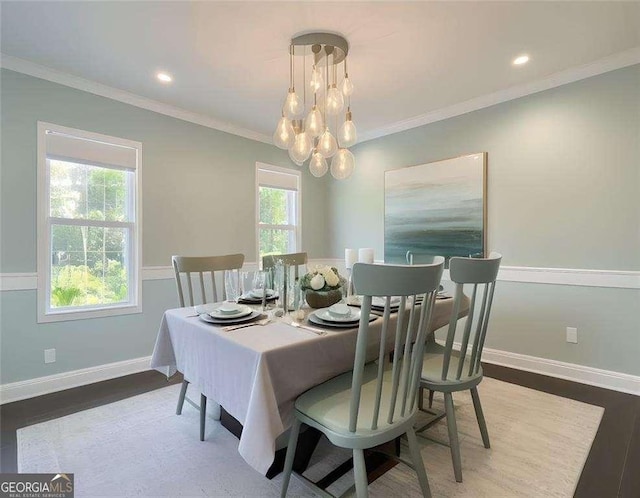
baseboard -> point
(31, 388)
(607, 379)
(616, 381)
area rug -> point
(139, 447)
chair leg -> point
(203, 415)
(360, 474)
(183, 393)
(431, 398)
(414, 448)
(291, 453)
(480, 417)
(421, 398)
(453, 436)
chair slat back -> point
(186, 265)
(415, 258)
(417, 287)
(295, 260)
(481, 274)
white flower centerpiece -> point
(322, 286)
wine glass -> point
(259, 280)
(232, 285)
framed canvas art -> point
(436, 209)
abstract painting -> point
(436, 209)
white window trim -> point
(298, 227)
(44, 233)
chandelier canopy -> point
(316, 117)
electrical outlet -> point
(49, 355)
(572, 335)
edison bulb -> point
(342, 164)
(284, 135)
(347, 86)
(301, 148)
(314, 123)
(347, 135)
(335, 101)
(296, 162)
(327, 145)
(293, 106)
(318, 165)
(316, 79)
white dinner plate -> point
(257, 293)
(327, 316)
(340, 325)
(243, 311)
(226, 321)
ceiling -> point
(229, 60)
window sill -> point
(63, 316)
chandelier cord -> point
(291, 51)
(326, 90)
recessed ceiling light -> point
(523, 59)
(164, 77)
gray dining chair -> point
(292, 260)
(448, 370)
(184, 267)
(376, 402)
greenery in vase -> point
(321, 279)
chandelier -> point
(316, 116)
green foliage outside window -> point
(88, 263)
(275, 209)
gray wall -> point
(563, 192)
(198, 198)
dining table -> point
(256, 372)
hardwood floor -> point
(611, 469)
(612, 466)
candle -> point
(350, 257)
(365, 255)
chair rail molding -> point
(618, 279)
(524, 274)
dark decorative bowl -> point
(322, 299)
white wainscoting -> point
(526, 274)
(553, 276)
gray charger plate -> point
(255, 300)
(216, 321)
(338, 325)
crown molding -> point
(601, 66)
(45, 73)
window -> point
(278, 210)
(88, 224)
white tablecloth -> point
(256, 373)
